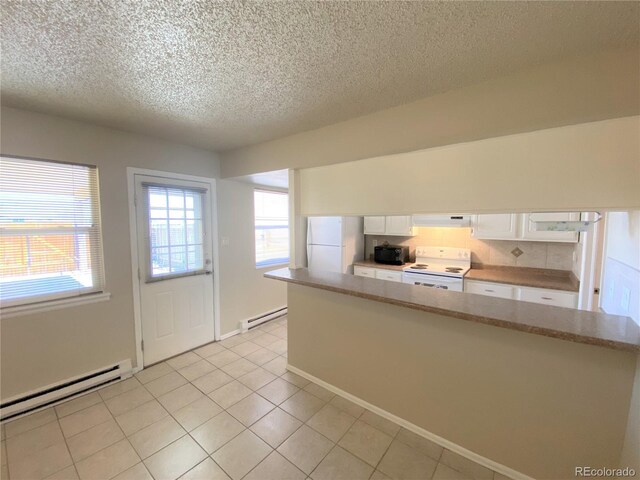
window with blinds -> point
(271, 211)
(50, 238)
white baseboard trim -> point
(262, 318)
(230, 334)
(495, 466)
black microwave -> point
(390, 254)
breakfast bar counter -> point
(527, 390)
(611, 331)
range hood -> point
(442, 221)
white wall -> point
(622, 265)
(245, 292)
(44, 348)
(582, 167)
(621, 272)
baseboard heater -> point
(59, 392)
(255, 321)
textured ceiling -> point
(227, 74)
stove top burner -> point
(420, 266)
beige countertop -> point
(611, 331)
(527, 277)
(524, 276)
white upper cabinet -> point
(521, 226)
(399, 225)
(528, 227)
(495, 226)
(374, 225)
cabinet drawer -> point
(489, 289)
(390, 275)
(549, 297)
(364, 271)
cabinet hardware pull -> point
(547, 298)
(487, 290)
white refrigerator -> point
(334, 243)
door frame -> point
(135, 261)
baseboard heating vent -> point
(59, 392)
(255, 321)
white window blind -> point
(271, 227)
(50, 238)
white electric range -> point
(438, 267)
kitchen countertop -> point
(593, 328)
(527, 277)
(523, 276)
(383, 266)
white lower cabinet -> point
(379, 273)
(364, 271)
(549, 297)
(490, 289)
(545, 296)
(391, 275)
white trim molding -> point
(474, 457)
(230, 334)
(49, 305)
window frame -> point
(279, 261)
(56, 300)
(149, 277)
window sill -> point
(40, 307)
(273, 265)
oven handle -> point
(433, 285)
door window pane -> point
(176, 235)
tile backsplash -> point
(551, 255)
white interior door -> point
(175, 253)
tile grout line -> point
(188, 433)
(395, 436)
(113, 417)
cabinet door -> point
(489, 289)
(495, 226)
(390, 275)
(549, 297)
(364, 271)
(374, 225)
(529, 232)
(399, 225)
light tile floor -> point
(227, 410)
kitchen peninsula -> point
(530, 390)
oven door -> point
(434, 281)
